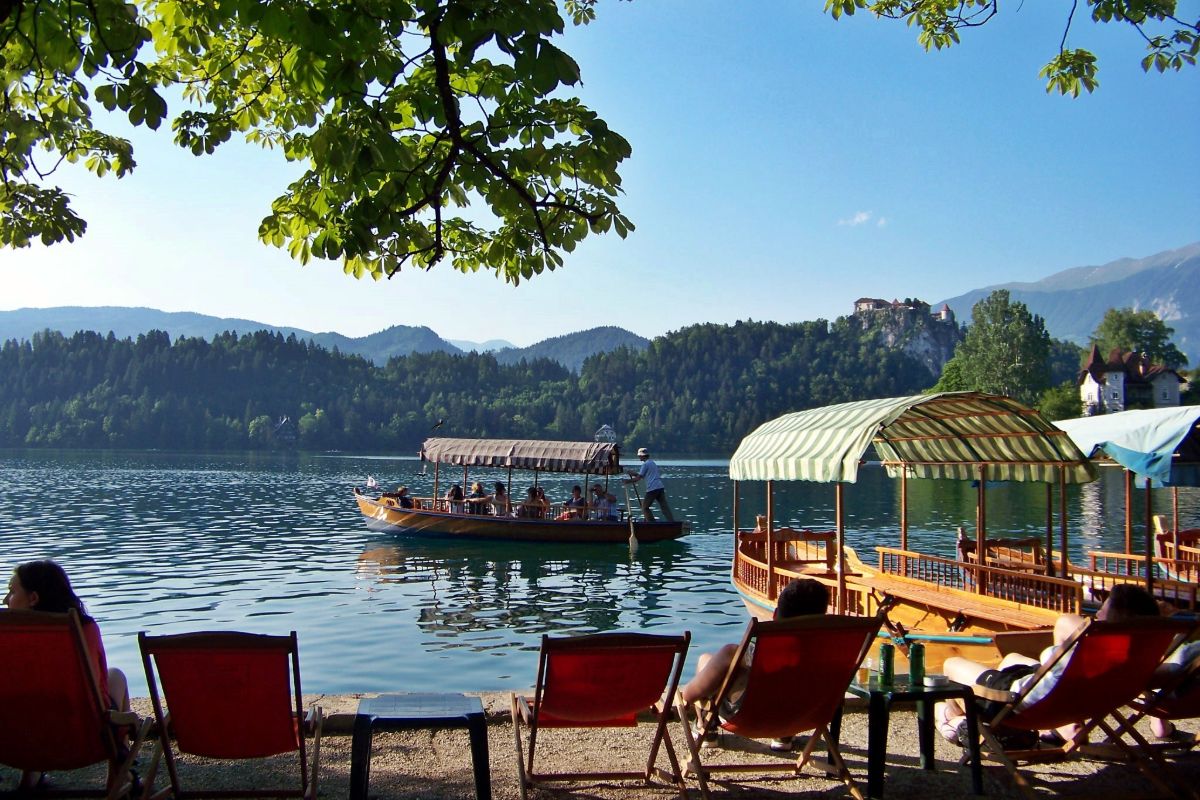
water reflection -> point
(530, 590)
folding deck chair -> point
(53, 715)
(229, 696)
(796, 682)
(602, 681)
(1111, 664)
(1178, 697)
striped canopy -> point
(598, 458)
(948, 435)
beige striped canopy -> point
(597, 458)
(948, 435)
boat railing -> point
(1019, 586)
(1186, 552)
(1133, 566)
(1015, 554)
(790, 546)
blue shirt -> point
(649, 472)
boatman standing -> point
(655, 490)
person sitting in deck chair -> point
(799, 598)
(1124, 602)
(602, 508)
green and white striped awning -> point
(948, 435)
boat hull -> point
(443, 525)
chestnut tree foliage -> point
(428, 130)
(1171, 42)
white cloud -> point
(859, 218)
(881, 222)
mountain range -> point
(1072, 302)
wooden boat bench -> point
(969, 604)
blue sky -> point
(783, 165)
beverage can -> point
(916, 663)
(887, 664)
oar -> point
(633, 542)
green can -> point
(916, 664)
(887, 664)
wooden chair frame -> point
(526, 711)
(709, 721)
(308, 724)
(121, 780)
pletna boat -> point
(479, 519)
(954, 605)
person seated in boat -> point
(802, 597)
(44, 586)
(400, 496)
(534, 506)
(1126, 601)
(501, 507)
(454, 499)
(602, 508)
(478, 501)
(575, 506)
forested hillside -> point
(696, 391)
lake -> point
(167, 542)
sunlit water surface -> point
(167, 542)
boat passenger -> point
(402, 498)
(501, 507)
(454, 499)
(575, 507)
(802, 597)
(602, 508)
(44, 586)
(534, 506)
(1125, 601)
(478, 500)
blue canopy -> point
(1157, 443)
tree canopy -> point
(1138, 332)
(1006, 351)
(1171, 42)
(428, 129)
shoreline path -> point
(436, 765)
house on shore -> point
(1124, 381)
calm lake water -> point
(168, 542)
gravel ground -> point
(437, 764)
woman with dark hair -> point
(44, 586)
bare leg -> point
(118, 689)
(710, 671)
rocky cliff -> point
(913, 329)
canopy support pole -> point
(1149, 539)
(1063, 561)
(904, 517)
(1049, 530)
(436, 474)
(1128, 513)
(772, 582)
(981, 529)
(735, 516)
(840, 606)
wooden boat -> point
(955, 606)
(438, 517)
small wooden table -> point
(398, 712)
(879, 705)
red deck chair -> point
(602, 681)
(797, 681)
(1177, 698)
(53, 715)
(1111, 664)
(229, 696)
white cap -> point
(643, 452)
